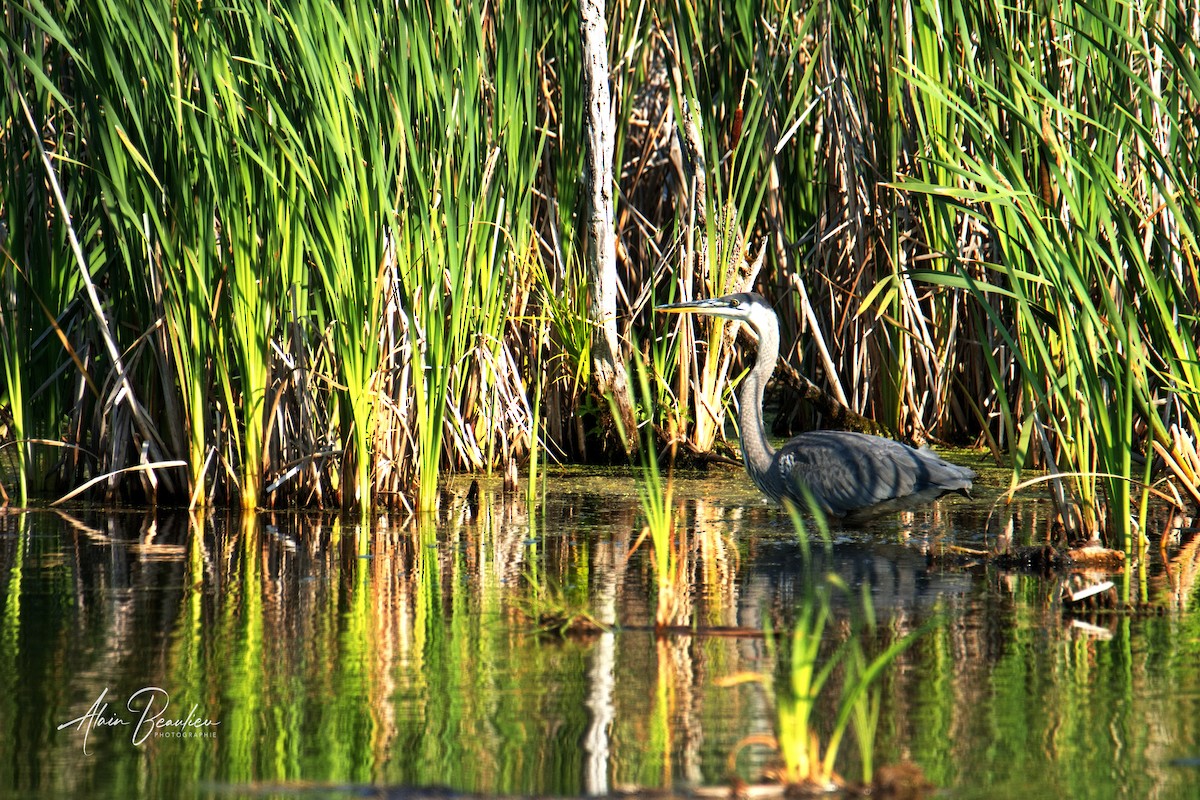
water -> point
(295, 655)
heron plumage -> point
(844, 472)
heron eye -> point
(735, 302)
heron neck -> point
(756, 448)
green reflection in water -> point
(331, 654)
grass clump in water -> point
(816, 678)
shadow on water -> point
(294, 655)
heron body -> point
(845, 473)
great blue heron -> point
(846, 473)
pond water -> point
(295, 655)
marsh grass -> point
(731, 107)
(469, 178)
(825, 668)
(656, 496)
(247, 204)
(558, 610)
(11, 362)
(325, 256)
(1076, 167)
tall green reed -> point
(141, 111)
(731, 111)
(562, 300)
(100, 210)
(656, 498)
(470, 150)
(864, 125)
(298, 216)
(344, 60)
(38, 275)
(11, 361)
(257, 172)
(1077, 170)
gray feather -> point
(848, 472)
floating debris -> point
(1094, 589)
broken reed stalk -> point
(608, 372)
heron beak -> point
(714, 305)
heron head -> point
(743, 307)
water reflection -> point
(328, 655)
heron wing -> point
(848, 471)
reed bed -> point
(322, 256)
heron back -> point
(847, 472)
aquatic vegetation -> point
(277, 172)
(729, 168)
(324, 257)
(1077, 175)
(824, 668)
(813, 683)
(655, 495)
(556, 609)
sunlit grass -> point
(468, 174)
(559, 610)
(11, 361)
(731, 110)
(822, 664)
(1091, 306)
(656, 497)
(273, 167)
(335, 254)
